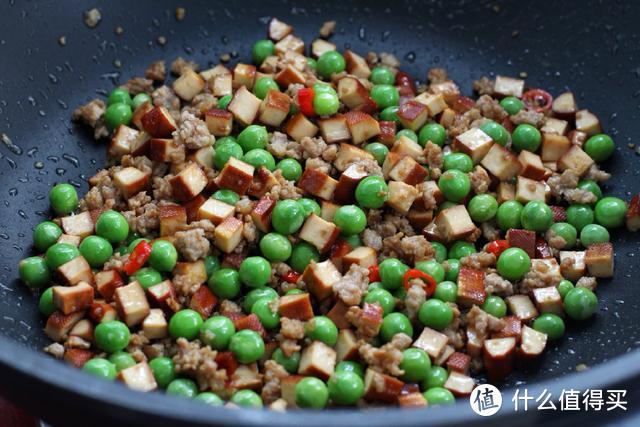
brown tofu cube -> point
(263, 181)
(633, 214)
(502, 163)
(432, 342)
(548, 300)
(348, 182)
(155, 325)
(172, 218)
(131, 181)
(318, 360)
(434, 102)
(278, 29)
(408, 147)
(361, 126)
(121, 141)
(448, 89)
(138, 113)
(289, 42)
(459, 384)
(299, 126)
(203, 300)
(455, 223)
(576, 160)
(564, 106)
(431, 188)
(499, 357)
(158, 123)
(317, 183)
(83, 329)
(512, 328)
(334, 129)
(419, 218)
(521, 306)
(356, 65)
(244, 75)
(528, 190)
(401, 196)
(320, 277)
(189, 84)
(320, 46)
(68, 238)
(347, 345)
(337, 315)
(379, 387)
(59, 325)
(412, 400)
(222, 85)
(459, 362)
(288, 389)
(261, 213)
(362, 255)
(194, 271)
(387, 134)
(274, 108)
(189, 182)
(319, 233)
(296, 307)
(523, 239)
(236, 175)
(348, 154)
(202, 156)
(75, 271)
(228, 234)
(107, 282)
(162, 293)
(587, 122)
(69, 299)
(532, 343)
(78, 225)
(102, 312)
(288, 76)
(219, 122)
(532, 166)
(246, 377)
(244, 106)
(506, 191)
(165, 150)
(555, 126)
(138, 377)
(131, 303)
(413, 115)
(215, 211)
(474, 143)
(599, 259)
(328, 210)
(442, 359)
(408, 171)
(572, 264)
(352, 93)
(471, 287)
(448, 117)
(508, 86)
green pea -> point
(122, 360)
(452, 268)
(63, 199)
(290, 364)
(261, 49)
(446, 291)
(252, 137)
(565, 231)
(599, 147)
(345, 388)
(112, 336)
(496, 131)
(350, 366)
(113, 226)
(350, 219)
(395, 323)
(311, 393)
(34, 272)
(392, 272)
(372, 192)
(164, 255)
(216, 332)
(536, 216)
(263, 85)
(209, 398)
(436, 377)
(301, 255)
(511, 105)
(440, 251)
(550, 324)
(247, 399)
(461, 249)
(526, 137)
(385, 95)
(117, 114)
(382, 76)
(182, 387)
(610, 212)
(224, 152)
(415, 364)
(96, 250)
(223, 102)
(257, 294)
(513, 263)
(508, 215)
(268, 318)
(580, 303)
(225, 283)
(592, 234)
(564, 287)
(275, 247)
(435, 314)
(229, 197)
(185, 323)
(321, 328)
(287, 217)
(119, 95)
(580, 216)
(495, 306)
(482, 207)
(59, 254)
(101, 368)
(390, 114)
(432, 132)
(290, 168)
(457, 161)
(309, 206)
(591, 186)
(45, 235)
(439, 396)
(331, 62)
(407, 133)
(211, 264)
(259, 157)
(311, 63)
(383, 298)
(454, 184)
(45, 304)
(378, 150)
(325, 103)
(321, 87)
(147, 277)
(247, 346)
(255, 271)
(432, 268)
(140, 99)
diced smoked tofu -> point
(195, 272)
(506, 191)
(408, 171)
(222, 85)
(348, 182)
(75, 271)
(348, 154)
(633, 214)
(471, 287)
(159, 123)
(288, 389)
(512, 328)
(278, 29)
(435, 103)
(299, 126)
(362, 255)
(78, 225)
(172, 218)
(68, 238)
(356, 65)
(448, 89)
(361, 126)
(587, 122)
(532, 166)
(102, 312)
(121, 141)
(576, 160)
(274, 108)
(379, 387)
(555, 126)
(189, 182)
(459, 384)
(319, 233)
(215, 211)
(502, 163)
(228, 234)
(459, 362)
(261, 213)
(564, 106)
(138, 377)
(59, 324)
(138, 113)
(572, 264)
(474, 143)
(352, 93)
(77, 357)
(263, 181)
(407, 146)
(419, 218)
(337, 316)
(413, 115)
(446, 354)
(318, 360)
(317, 183)
(508, 86)
(455, 223)
(599, 259)
(523, 239)
(161, 293)
(107, 282)
(499, 357)
(448, 117)
(236, 175)
(431, 188)
(69, 299)
(412, 400)
(521, 306)
(334, 129)
(202, 156)
(189, 84)
(320, 277)
(83, 329)
(548, 300)
(401, 196)
(165, 150)
(131, 181)
(289, 42)
(296, 307)
(387, 134)
(219, 122)
(328, 210)
(288, 76)
(528, 190)
(245, 106)
(320, 46)
(155, 325)
(532, 343)
(244, 75)
(432, 342)
(131, 303)
(246, 377)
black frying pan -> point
(588, 47)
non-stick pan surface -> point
(590, 48)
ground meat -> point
(327, 29)
(596, 174)
(371, 239)
(437, 75)
(387, 358)
(156, 71)
(479, 324)
(179, 64)
(587, 282)
(434, 159)
(92, 17)
(416, 296)
(531, 117)
(192, 132)
(416, 248)
(483, 86)
(554, 240)
(249, 230)
(284, 189)
(319, 164)
(564, 186)
(162, 189)
(244, 205)
(273, 374)
(229, 308)
(331, 153)
(104, 194)
(580, 196)
(116, 262)
(364, 327)
(280, 146)
(478, 260)
(77, 342)
(490, 108)
(192, 244)
(494, 284)
(165, 97)
(55, 349)
(352, 286)
(475, 235)
(463, 123)
(291, 328)
(138, 85)
(539, 276)
(200, 362)
(389, 60)
(145, 219)
(201, 103)
(312, 147)
(489, 231)
(454, 331)
(136, 344)
(289, 347)
(480, 180)
(139, 162)
(91, 114)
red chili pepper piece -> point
(497, 247)
(305, 101)
(227, 360)
(537, 99)
(137, 258)
(417, 274)
(374, 274)
(291, 276)
(339, 249)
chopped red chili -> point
(374, 274)
(497, 247)
(137, 258)
(537, 99)
(305, 101)
(429, 281)
(291, 276)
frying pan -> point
(590, 48)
